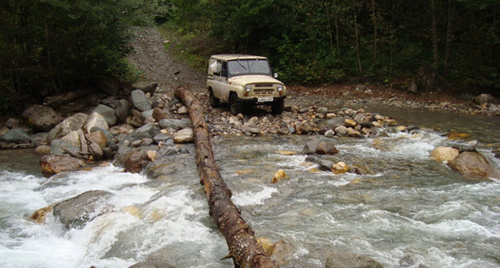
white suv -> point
(244, 80)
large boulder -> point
(41, 118)
(140, 100)
(474, 165)
(53, 164)
(442, 153)
(77, 211)
(73, 123)
(107, 113)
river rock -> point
(340, 168)
(279, 176)
(57, 145)
(42, 150)
(15, 123)
(40, 215)
(97, 137)
(135, 162)
(175, 124)
(146, 131)
(442, 153)
(350, 260)
(107, 113)
(77, 211)
(72, 138)
(158, 114)
(322, 110)
(484, 98)
(69, 124)
(303, 128)
(53, 164)
(156, 170)
(146, 86)
(475, 165)
(341, 131)
(185, 135)
(16, 135)
(41, 118)
(140, 101)
(122, 110)
(325, 164)
(95, 150)
(95, 120)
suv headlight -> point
(248, 88)
(279, 88)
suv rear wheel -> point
(235, 106)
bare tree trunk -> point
(435, 51)
(449, 35)
(337, 32)
(356, 35)
(243, 246)
(375, 37)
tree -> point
(52, 46)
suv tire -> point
(278, 106)
(214, 101)
(235, 106)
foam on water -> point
(115, 239)
(253, 198)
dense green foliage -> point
(324, 41)
(52, 46)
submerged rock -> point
(77, 211)
(475, 165)
(53, 164)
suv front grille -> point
(262, 89)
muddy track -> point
(158, 64)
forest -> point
(53, 46)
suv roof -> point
(226, 57)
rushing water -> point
(408, 211)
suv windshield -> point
(252, 66)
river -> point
(408, 211)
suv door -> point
(220, 85)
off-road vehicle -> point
(244, 80)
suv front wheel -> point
(235, 106)
(278, 106)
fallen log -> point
(240, 238)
